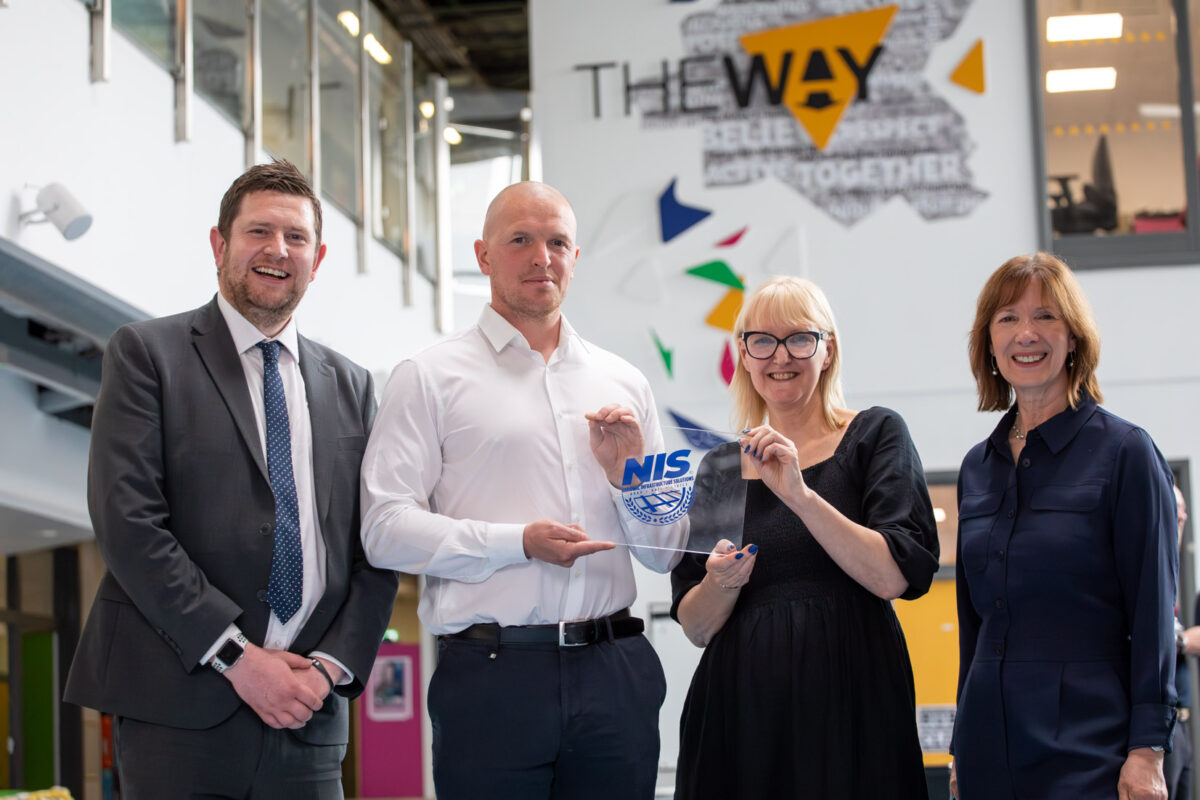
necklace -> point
(1016, 430)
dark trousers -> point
(1177, 764)
(240, 758)
(534, 722)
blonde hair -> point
(783, 301)
(1005, 286)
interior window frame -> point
(1088, 251)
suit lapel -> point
(320, 385)
(211, 337)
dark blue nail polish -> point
(746, 431)
(739, 555)
(746, 449)
(730, 547)
(753, 549)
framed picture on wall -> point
(390, 689)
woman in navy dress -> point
(805, 688)
(1066, 563)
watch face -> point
(229, 653)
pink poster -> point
(390, 725)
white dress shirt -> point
(478, 436)
(312, 545)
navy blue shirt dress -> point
(1066, 590)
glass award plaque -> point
(703, 481)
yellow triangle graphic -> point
(819, 104)
(969, 72)
(724, 314)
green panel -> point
(37, 691)
(718, 271)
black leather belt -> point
(574, 633)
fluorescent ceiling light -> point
(1078, 27)
(349, 22)
(1163, 110)
(1080, 80)
(372, 46)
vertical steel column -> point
(314, 98)
(443, 284)
(410, 182)
(252, 115)
(183, 72)
(100, 12)
(364, 141)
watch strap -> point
(316, 662)
(223, 661)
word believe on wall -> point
(834, 106)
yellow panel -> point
(931, 628)
(969, 72)
(724, 315)
(858, 34)
(5, 779)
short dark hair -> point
(279, 176)
(1006, 285)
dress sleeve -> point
(896, 501)
(718, 512)
(1144, 536)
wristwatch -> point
(230, 653)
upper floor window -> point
(219, 42)
(1113, 78)
(150, 23)
(286, 104)
(389, 129)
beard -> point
(525, 307)
(267, 313)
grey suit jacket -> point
(183, 512)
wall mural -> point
(832, 104)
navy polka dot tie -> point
(287, 564)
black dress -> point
(807, 691)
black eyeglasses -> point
(799, 345)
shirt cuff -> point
(618, 498)
(347, 675)
(506, 544)
(1151, 725)
(230, 632)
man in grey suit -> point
(238, 611)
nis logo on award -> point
(659, 488)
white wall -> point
(112, 144)
(903, 288)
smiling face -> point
(785, 382)
(528, 250)
(271, 256)
(1030, 342)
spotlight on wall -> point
(56, 204)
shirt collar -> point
(246, 336)
(500, 333)
(1057, 432)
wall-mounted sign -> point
(834, 105)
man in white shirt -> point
(493, 471)
(238, 611)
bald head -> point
(525, 196)
(528, 251)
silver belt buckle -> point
(562, 636)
